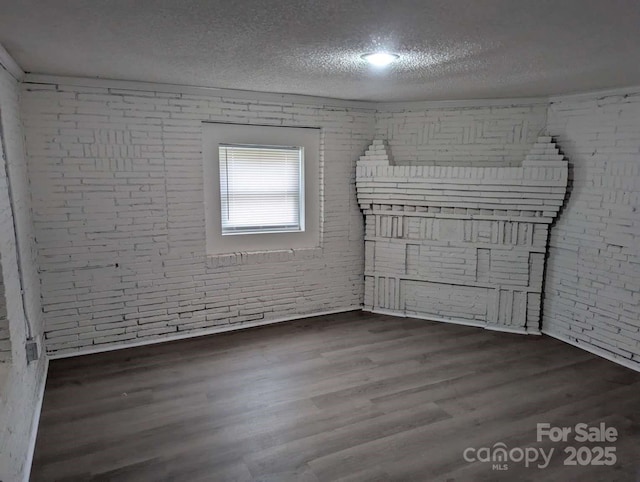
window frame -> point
(214, 134)
(300, 188)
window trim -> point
(308, 138)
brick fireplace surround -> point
(459, 244)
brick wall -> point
(117, 189)
(5, 339)
(592, 283)
(119, 216)
(482, 135)
(592, 294)
(20, 384)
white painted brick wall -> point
(490, 135)
(5, 339)
(20, 384)
(119, 216)
(117, 188)
(592, 291)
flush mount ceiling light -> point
(380, 59)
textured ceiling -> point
(451, 49)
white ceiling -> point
(451, 49)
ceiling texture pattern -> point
(450, 49)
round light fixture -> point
(380, 59)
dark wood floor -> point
(350, 397)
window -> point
(261, 187)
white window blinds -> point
(261, 188)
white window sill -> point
(258, 257)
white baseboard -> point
(194, 334)
(596, 351)
(35, 422)
(519, 331)
(476, 324)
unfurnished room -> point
(318, 241)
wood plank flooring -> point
(349, 397)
